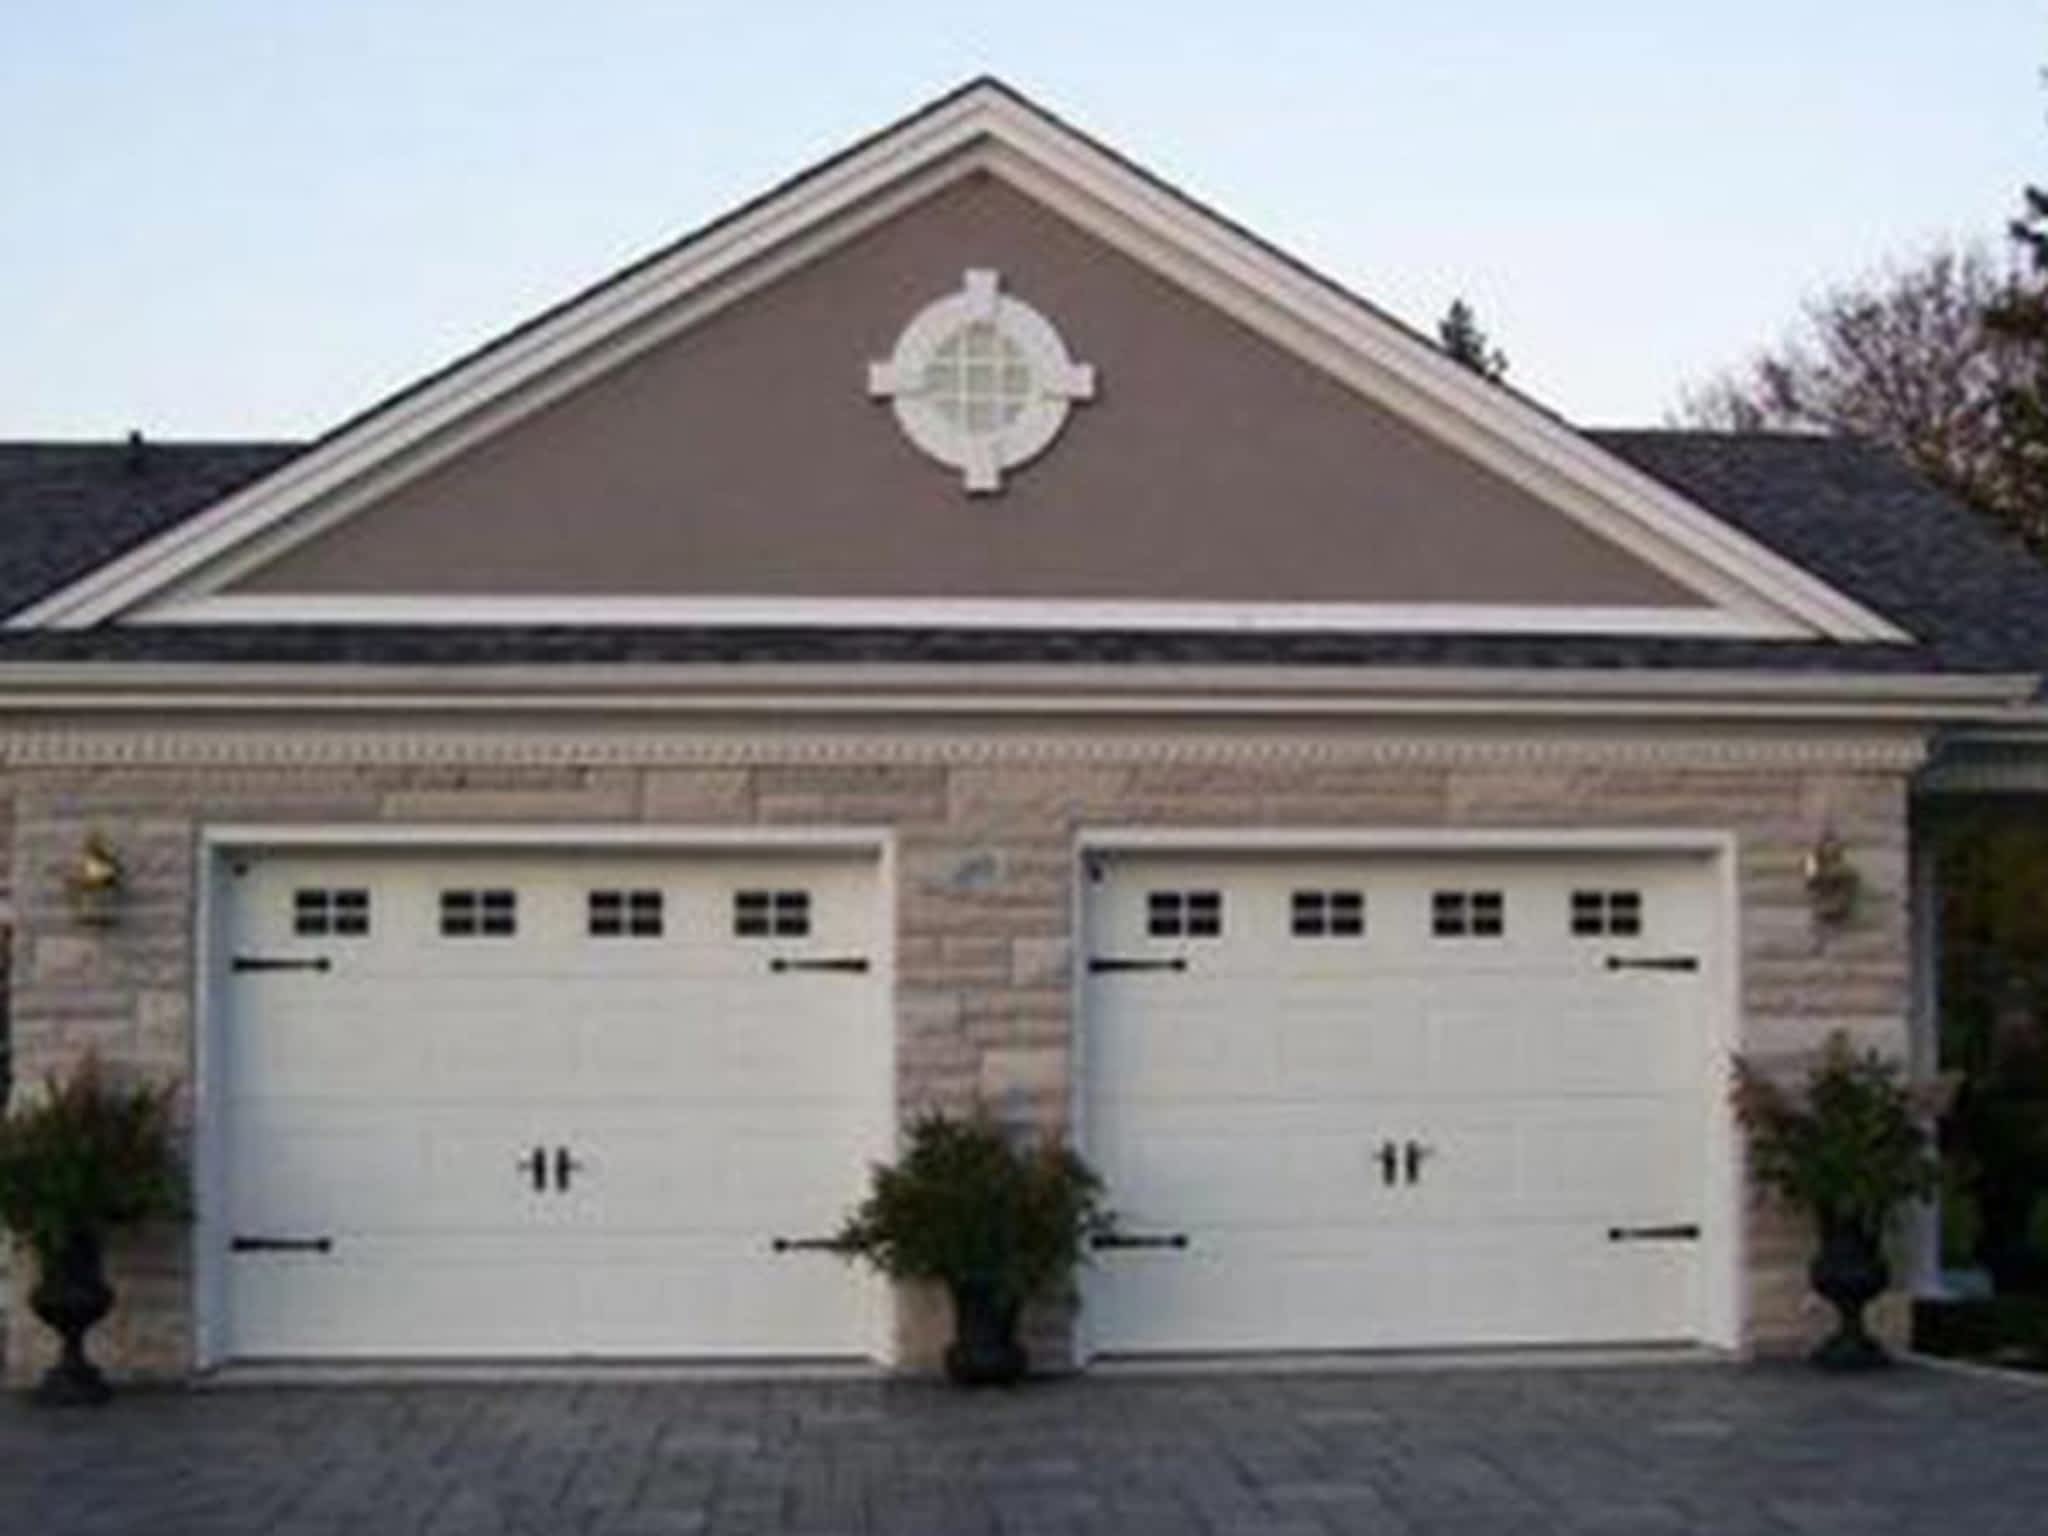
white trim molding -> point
(988, 129)
(184, 692)
(963, 613)
(930, 381)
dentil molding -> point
(1898, 751)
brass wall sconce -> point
(96, 882)
(1833, 883)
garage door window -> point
(625, 914)
(1600, 914)
(1328, 914)
(492, 914)
(1184, 914)
(319, 913)
(1468, 914)
(771, 914)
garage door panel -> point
(688, 1301)
(704, 1102)
(1244, 1100)
(1377, 1036)
(1227, 1181)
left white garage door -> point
(560, 1105)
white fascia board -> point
(503, 366)
(465, 610)
(1012, 691)
(1763, 593)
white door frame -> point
(1723, 1245)
(220, 841)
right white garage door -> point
(1347, 1103)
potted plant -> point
(1850, 1150)
(78, 1160)
(995, 1222)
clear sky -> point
(230, 218)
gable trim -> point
(983, 126)
(471, 610)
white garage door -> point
(517, 1105)
(1386, 1102)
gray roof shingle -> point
(1851, 514)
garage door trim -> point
(219, 843)
(1723, 1302)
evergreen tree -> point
(1460, 336)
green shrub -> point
(965, 1206)
(84, 1156)
(1853, 1147)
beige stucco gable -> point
(745, 458)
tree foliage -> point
(2018, 318)
(1916, 358)
(1458, 333)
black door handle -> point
(1412, 1154)
(1389, 1159)
(535, 1164)
(564, 1166)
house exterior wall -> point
(985, 822)
(745, 458)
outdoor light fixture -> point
(96, 882)
(1832, 882)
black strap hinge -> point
(1097, 964)
(243, 963)
(1653, 962)
(1139, 1240)
(807, 1245)
(1675, 1232)
(851, 964)
(242, 1243)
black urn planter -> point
(1849, 1272)
(984, 1351)
(71, 1296)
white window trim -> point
(1056, 381)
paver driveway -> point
(1677, 1448)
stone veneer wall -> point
(986, 896)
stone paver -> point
(1621, 1450)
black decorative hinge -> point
(240, 1243)
(279, 963)
(1677, 1232)
(852, 964)
(807, 1245)
(1653, 962)
(1100, 963)
(1139, 1240)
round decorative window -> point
(980, 381)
